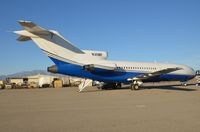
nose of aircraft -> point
(190, 71)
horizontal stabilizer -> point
(23, 38)
(33, 28)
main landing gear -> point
(136, 85)
(110, 86)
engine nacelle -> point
(89, 67)
(53, 69)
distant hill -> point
(28, 73)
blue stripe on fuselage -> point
(110, 76)
(58, 62)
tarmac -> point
(151, 109)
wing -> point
(154, 74)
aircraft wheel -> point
(134, 87)
(118, 85)
(184, 84)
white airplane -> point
(93, 65)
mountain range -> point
(28, 73)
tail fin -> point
(51, 42)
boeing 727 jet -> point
(93, 65)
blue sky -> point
(132, 30)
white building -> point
(45, 80)
(40, 80)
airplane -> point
(94, 65)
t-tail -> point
(50, 42)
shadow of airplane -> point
(162, 87)
(167, 87)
